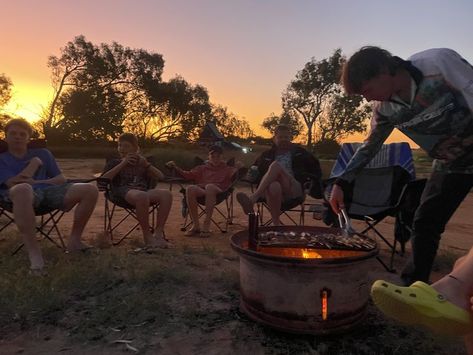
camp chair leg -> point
(9, 222)
(110, 227)
(52, 218)
(302, 215)
(107, 220)
(214, 222)
(284, 213)
(46, 233)
(187, 222)
(132, 213)
(227, 217)
(388, 268)
(371, 226)
(229, 206)
(18, 248)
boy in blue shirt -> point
(32, 183)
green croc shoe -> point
(421, 304)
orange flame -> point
(310, 254)
(324, 305)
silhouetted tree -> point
(94, 113)
(313, 93)
(286, 118)
(173, 109)
(101, 90)
(229, 124)
(343, 116)
(5, 90)
(102, 71)
(5, 96)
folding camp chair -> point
(288, 208)
(385, 187)
(312, 186)
(118, 213)
(226, 213)
(47, 227)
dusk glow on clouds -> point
(245, 52)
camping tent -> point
(210, 134)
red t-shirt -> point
(220, 175)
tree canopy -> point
(5, 90)
(101, 90)
(5, 96)
(315, 98)
(287, 118)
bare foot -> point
(454, 291)
(162, 243)
(206, 226)
(38, 272)
(150, 240)
(37, 261)
(78, 246)
(194, 230)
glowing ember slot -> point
(324, 304)
(310, 254)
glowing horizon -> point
(29, 103)
(244, 52)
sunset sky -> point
(245, 52)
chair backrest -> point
(393, 154)
(379, 185)
(376, 190)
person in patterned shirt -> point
(129, 177)
(428, 97)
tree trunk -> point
(309, 137)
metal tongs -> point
(345, 223)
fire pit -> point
(304, 279)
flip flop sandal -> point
(204, 234)
(163, 244)
(145, 250)
(85, 250)
(421, 304)
(191, 232)
(38, 272)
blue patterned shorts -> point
(45, 200)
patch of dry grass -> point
(186, 294)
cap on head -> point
(216, 149)
(282, 128)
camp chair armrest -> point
(103, 184)
(73, 181)
(173, 179)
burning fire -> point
(306, 253)
(324, 304)
(310, 254)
